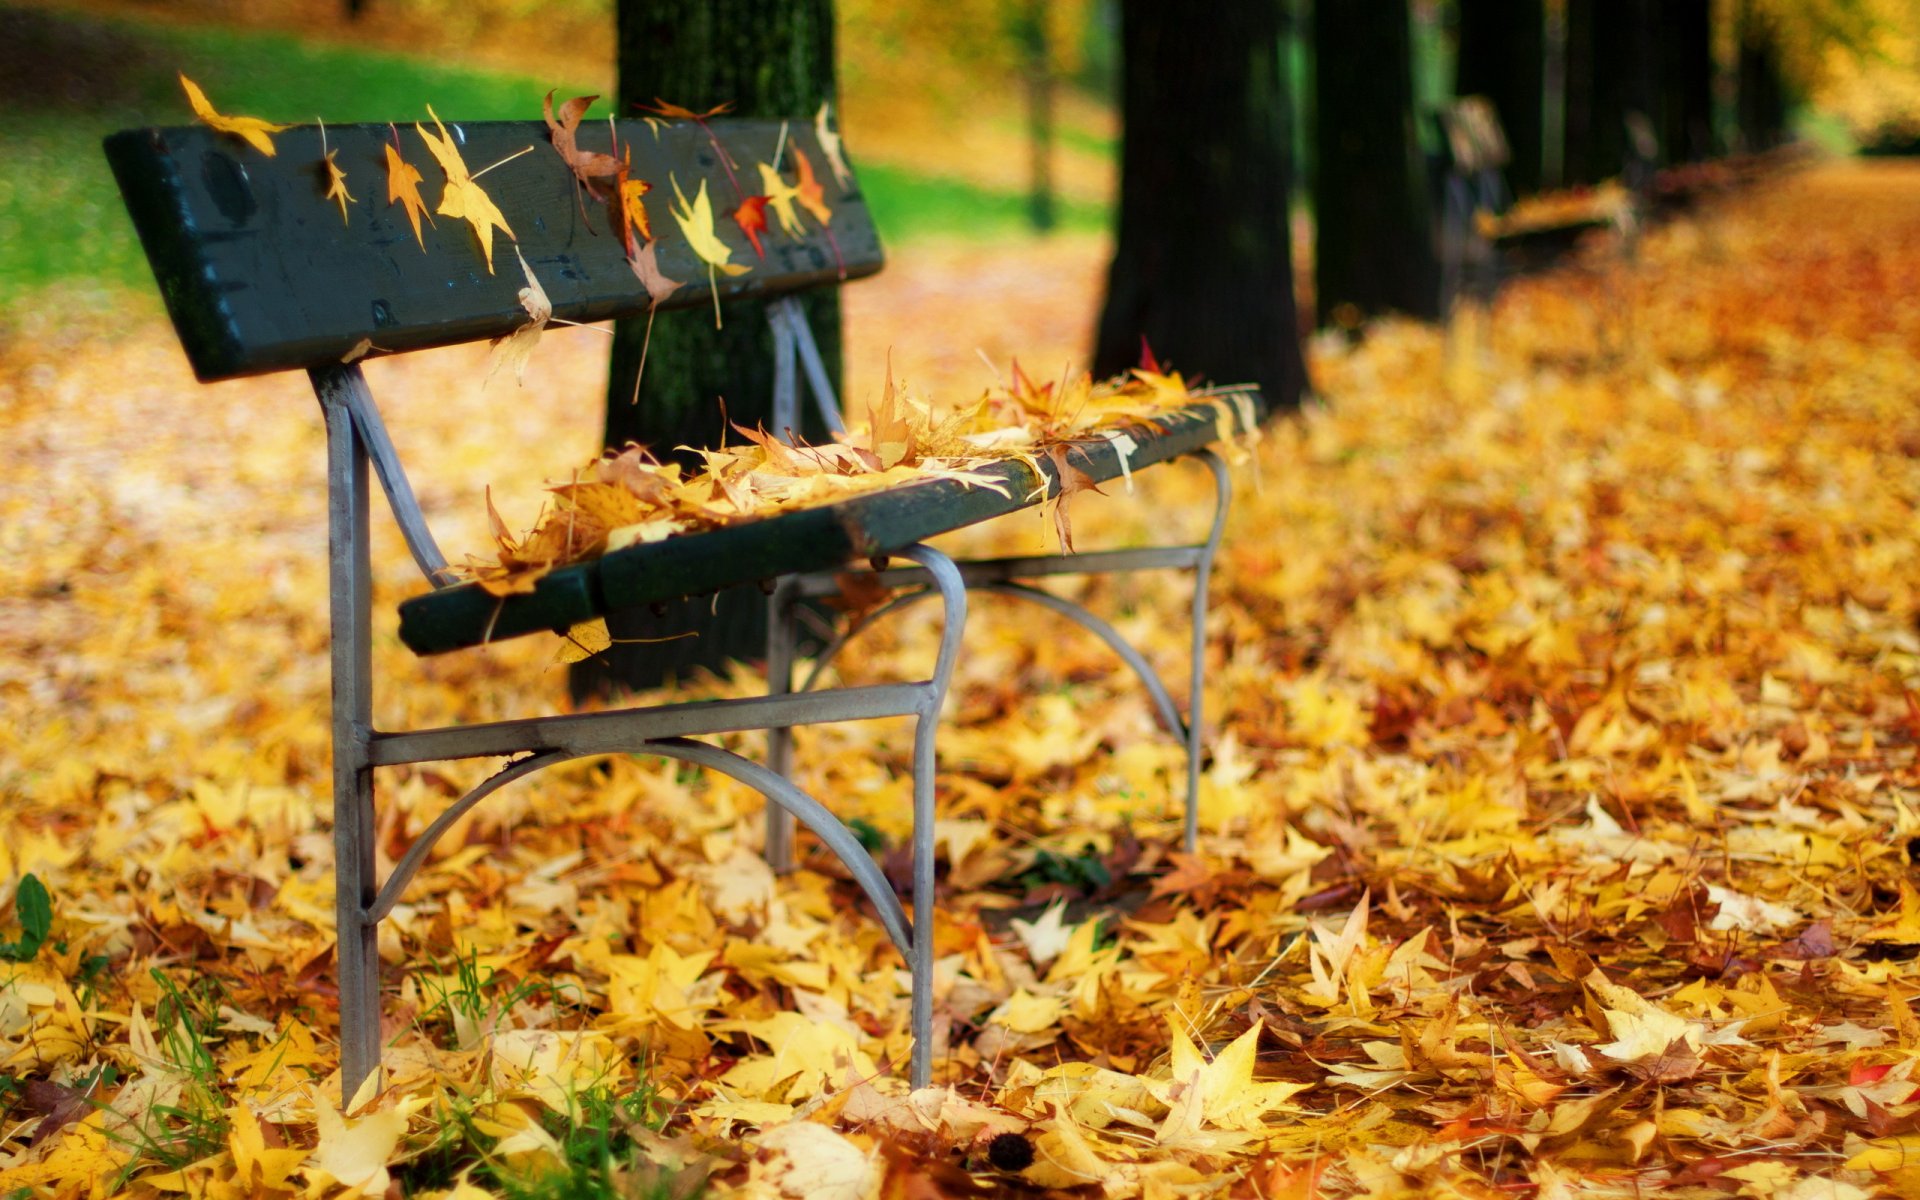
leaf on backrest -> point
(696, 223)
(808, 191)
(751, 217)
(403, 188)
(830, 145)
(517, 347)
(252, 129)
(463, 198)
(336, 178)
(780, 196)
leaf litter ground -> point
(1556, 840)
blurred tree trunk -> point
(1503, 54)
(1610, 76)
(1685, 41)
(1202, 268)
(768, 58)
(1036, 67)
(1374, 246)
(1762, 102)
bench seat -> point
(865, 526)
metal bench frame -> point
(358, 447)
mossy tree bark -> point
(1374, 244)
(1503, 55)
(770, 58)
(1202, 268)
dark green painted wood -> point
(850, 530)
(261, 274)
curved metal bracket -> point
(1164, 707)
(776, 789)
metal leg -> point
(953, 594)
(357, 957)
(781, 632)
(1202, 573)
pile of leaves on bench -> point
(629, 497)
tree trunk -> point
(1685, 41)
(1609, 80)
(1202, 268)
(1502, 56)
(767, 58)
(1762, 103)
(1374, 248)
(1036, 67)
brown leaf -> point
(1072, 481)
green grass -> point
(907, 205)
(76, 78)
(60, 214)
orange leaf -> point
(253, 129)
(662, 108)
(403, 188)
(634, 209)
(808, 191)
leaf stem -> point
(503, 162)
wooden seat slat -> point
(846, 531)
(261, 273)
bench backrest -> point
(261, 272)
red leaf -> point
(1147, 361)
(751, 217)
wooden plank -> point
(849, 530)
(261, 273)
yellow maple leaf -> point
(252, 129)
(1024, 1012)
(696, 222)
(353, 1153)
(255, 1164)
(463, 199)
(403, 188)
(337, 186)
(780, 197)
(1221, 1094)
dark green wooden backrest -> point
(261, 273)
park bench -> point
(262, 273)
(1485, 236)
